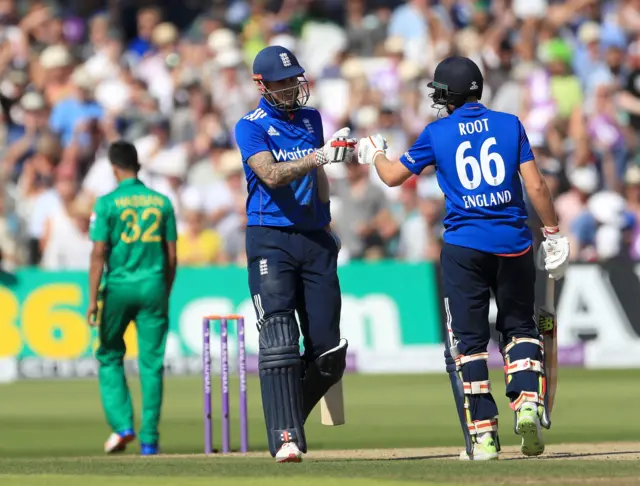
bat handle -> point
(550, 291)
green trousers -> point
(146, 303)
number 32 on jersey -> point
(134, 229)
(490, 167)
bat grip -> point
(550, 296)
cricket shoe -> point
(484, 450)
(149, 449)
(528, 427)
(117, 441)
(289, 452)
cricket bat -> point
(548, 327)
(332, 406)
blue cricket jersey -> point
(287, 137)
(477, 154)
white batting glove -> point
(555, 249)
(339, 148)
(370, 147)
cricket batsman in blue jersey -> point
(291, 251)
(480, 156)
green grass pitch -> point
(52, 433)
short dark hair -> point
(124, 155)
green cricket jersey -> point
(133, 221)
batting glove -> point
(339, 148)
(556, 252)
(370, 147)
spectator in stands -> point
(413, 226)
(147, 20)
(65, 242)
(233, 91)
(365, 225)
(142, 107)
(36, 192)
(56, 66)
(225, 201)
(25, 133)
(71, 117)
(164, 164)
(197, 244)
(598, 231)
(155, 68)
(629, 99)
(571, 204)
(564, 86)
(365, 31)
(8, 246)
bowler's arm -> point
(275, 174)
(96, 267)
(171, 255)
(170, 246)
(99, 230)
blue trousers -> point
(468, 278)
(293, 271)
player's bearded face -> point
(287, 94)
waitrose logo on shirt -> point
(284, 155)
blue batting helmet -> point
(277, 63)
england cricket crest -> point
(548, 326)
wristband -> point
(551, 232)
(319, 157)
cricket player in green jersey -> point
(133, 266)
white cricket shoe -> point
(528, 427)
(484, 450)
(118, 442)
(289, 452)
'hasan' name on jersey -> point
(486, 199)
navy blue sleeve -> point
(318, 129)
(250, 138)
(526, 154)
(321, 139)
(420, 155)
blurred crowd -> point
(175, 78)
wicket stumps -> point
(224, 379)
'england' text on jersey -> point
(486, 199)
(284, 155)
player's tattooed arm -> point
(275, 174)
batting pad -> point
(280, 368)
(524, 372)
(477, 410)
